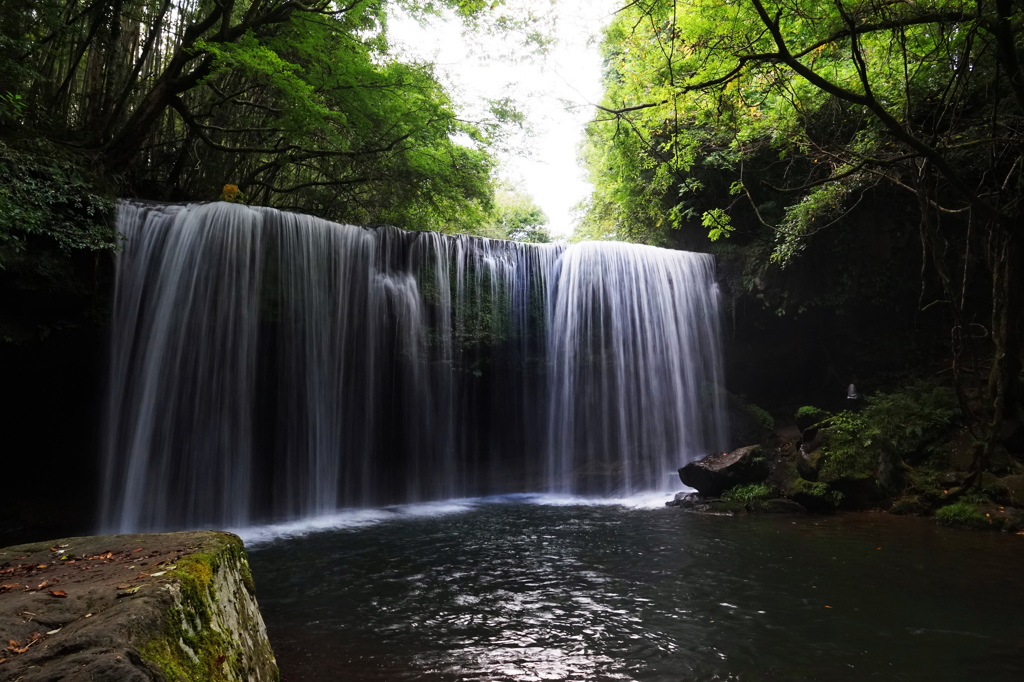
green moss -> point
(758, 418)
(207, 644)
(764, 420)
(191, 624)
(815, 496)
(195, 575)
(962, 513)
(810, 412)
(750, 492)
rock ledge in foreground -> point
(158, 606)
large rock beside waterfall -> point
(160, 606)
(721, 471)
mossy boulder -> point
(807, 417)
(161, 606)
(748, 423)
(910, 505)
(813, 496)
(1015, 486)
(721, 471)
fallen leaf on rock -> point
(58, 593)
(136, 550)
(53, 632)
(8, 588)
(129, 591)
(15, 648)
(88, 615)
(41, 566)
(3, 660)
(45, 583)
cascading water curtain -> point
(183, 376)
(636, 371)
(267, 365)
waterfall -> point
(633, 360)
(267, 365)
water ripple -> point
(512, 591)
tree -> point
(518, 218)
(801, 109)
(297, 102)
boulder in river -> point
(721, 471)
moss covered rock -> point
(813, 496)
(910, 505)
(1015, 485)
(162, 606)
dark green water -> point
(505, 590)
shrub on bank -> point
(893, 430)
(747, 493)
(962, 513)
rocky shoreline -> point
(815, 466)
(159, 606)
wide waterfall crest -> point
(268, 365)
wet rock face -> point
(719, 472)
(160, 606)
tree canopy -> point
(516, 217)
(297, 103)
(789, 124)
(864, 91)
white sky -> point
(555, 91)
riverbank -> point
(912, 451)
(171, 606)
